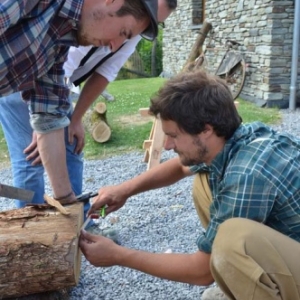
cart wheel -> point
(236, 78)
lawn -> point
(129, 129)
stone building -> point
(263, 27)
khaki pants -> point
(250, 260)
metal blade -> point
(15, 193)
(87, 221)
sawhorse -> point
(154, 145)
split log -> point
(197, 47)
(39, 250)
(96, 123)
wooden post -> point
(197, 47)
(39, 250)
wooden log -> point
(197, 47)
(39, 250)
(95, 122)
(101, 109)
(101, 132)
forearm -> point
(162, 175)
(93, 87)
(52, 150)
(189, 268)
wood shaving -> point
(56, 204)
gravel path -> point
(156, 221)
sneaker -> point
(106, 232)
(108, 97)
(213, 293)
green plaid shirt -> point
(256, 176)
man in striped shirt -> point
(246, 192)
(34, 40)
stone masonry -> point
(263, 27)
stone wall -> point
(265, 30)
(178, 38)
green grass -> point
(129, 129)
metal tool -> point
(81, 198)
(100, 213)
(86, 196)
(12, 192)
(86, 222)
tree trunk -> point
(153, 58)
(39, 250)
(96, 123)
(197, 47)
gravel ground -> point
(156, 221)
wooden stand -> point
(39, 250)
(154, 145)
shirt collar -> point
(244, 135)
(218, 165)
(71, 10)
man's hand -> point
(76, 130)
(98, 250)
(113, 197)
(32, 151)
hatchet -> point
(12, 192)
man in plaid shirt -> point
(246, 192)
(35, 36)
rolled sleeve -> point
(45, 123)
(204, 244)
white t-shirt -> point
(109, 69)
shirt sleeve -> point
(111, 67)
(49, 103)
(12, 11)
(238, 196)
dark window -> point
(198, 11)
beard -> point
(84, 27)
(81, 37)
(199, 156)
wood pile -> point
(95, 122)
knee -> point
(230, 240)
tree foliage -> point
(145, 50)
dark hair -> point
(194, 99)
(138, 10)
(135, 8)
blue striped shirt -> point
(256, 176)
(35, 36)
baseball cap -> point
(151, 31)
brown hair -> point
(133, 7)
(194, 99)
